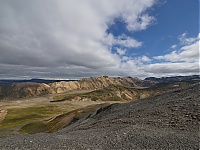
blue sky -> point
(173, 18)
(74, 39)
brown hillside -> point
(22, 90)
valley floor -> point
(16, 113)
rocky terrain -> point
(30, 89)
(169, 120)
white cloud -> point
(126, 41)
(125, 58)
(186, 41)
(187, 53)
(62, 33)
(145, 59)
(184, 61)
(142, 22)
(173, 46)
(69, 39)
(121, 41)
(121, 51)
(171, 69)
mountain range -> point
(34, 88)
(31, 89)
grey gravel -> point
(166, 121)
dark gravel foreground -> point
(167, 121)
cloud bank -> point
(183, 61)
(69, 39)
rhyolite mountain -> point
(36, 88)
(31, 89)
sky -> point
(71, 39)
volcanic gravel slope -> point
(166, 121)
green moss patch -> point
(21, 116)
(34, 127)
